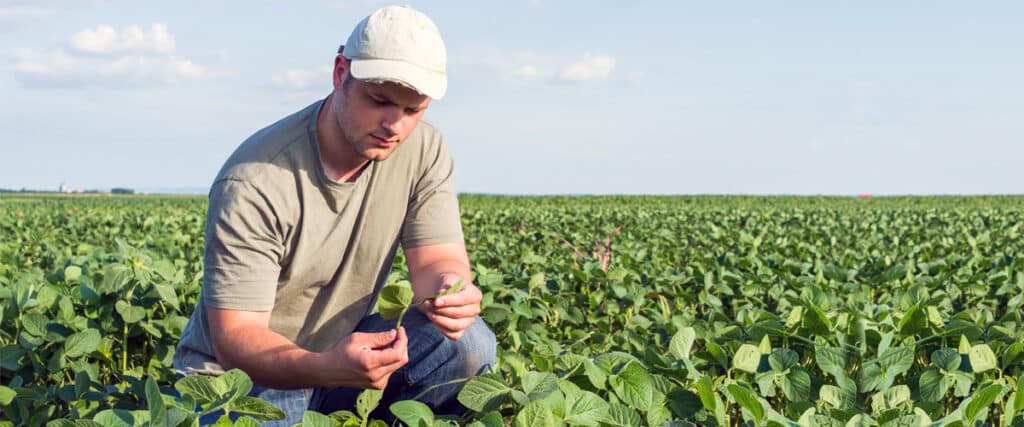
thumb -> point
(374, 340)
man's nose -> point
(392, 121)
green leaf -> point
(35, 324)
(913, 321)
(833, 396)
(454, 289)
(830, 360)
(897, 360)
(316, 419)
(935, 317)
(896, 395)
(1018, 401)
(946, 359)
(870, 377)
(613, 361)
(129, 313)
(257, 408)
(484, 393)
(620, 415)
(394, 299)
(712, 403)
(536, 414)
(115, 277)
(981, 400)
(765, 346)
(859, 420)
(658, 415)
(367, 401)
(965, 345)
(816, 321)
(682, 343)
(538, 385)
(782, 359)
(536, 280)
(167, 295)
(74, 423)
(72, 273)
(81, 343)
(748, 401)
(933, 385)
(796, 385)
(598, 377)
(766, 383)
(962, 383)
(684, 403)
(7, 395)
(413, 413)
(245, 422)
(747, 358)
(795, 316)
(122, 418)
(236, 380)
(633, 384)
(583, 407)
(492, 419)
(202, 389)
(155, 403)
(982, 358)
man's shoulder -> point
(262, 155)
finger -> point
(456, 312)
(395, 354)
(451, 326)
(469, 294)
(373, 341)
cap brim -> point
(431, 83)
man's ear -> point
(341, 64)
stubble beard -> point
(362, 147)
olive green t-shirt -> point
(282, 236)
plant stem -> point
(124, 350)
(438, 385)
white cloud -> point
(591, 68)
(101, 56)
(526, 72)
(104, 39)
(303, 79)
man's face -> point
(375, 117)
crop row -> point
(608, 311)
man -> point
(303, 225)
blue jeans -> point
(433, 359)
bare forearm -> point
(270, 359)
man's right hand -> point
(367, 360)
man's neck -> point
(340, 162)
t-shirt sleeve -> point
(241, 262)
(433, 214)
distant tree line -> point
(27, 190)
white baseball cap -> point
(397, 43)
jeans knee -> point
(478, 348)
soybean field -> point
(609, 311)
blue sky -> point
(545, 96)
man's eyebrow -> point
(383, 96)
